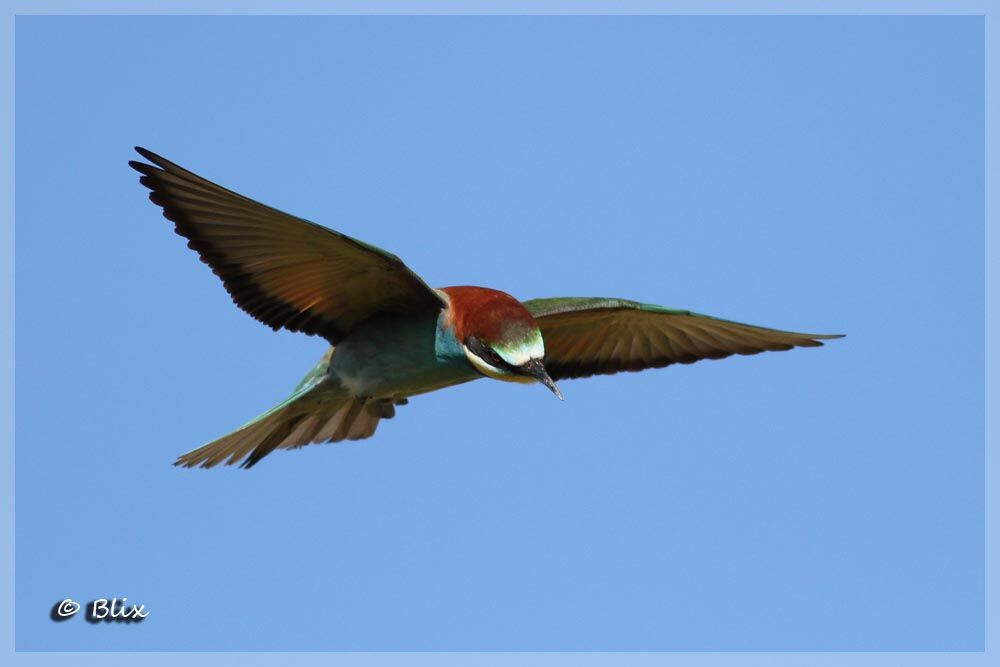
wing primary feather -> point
(588, 336)
(282, 270)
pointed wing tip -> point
(816, 340)
(142, 167)
(146, 153)
(161, 162)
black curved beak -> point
(536, 369)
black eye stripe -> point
(487, 354)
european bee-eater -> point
(392, 336)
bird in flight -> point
(391, 335)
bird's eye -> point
(486, 353)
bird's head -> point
(498, 335)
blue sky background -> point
(813, 173)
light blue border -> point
(986, 8)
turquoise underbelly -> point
(398, 357)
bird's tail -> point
(319, 410)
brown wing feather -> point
(284, 271)
(585, 336)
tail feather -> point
(364, 424)
(318, 411)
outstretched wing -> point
(284, 271)
(595, 336)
